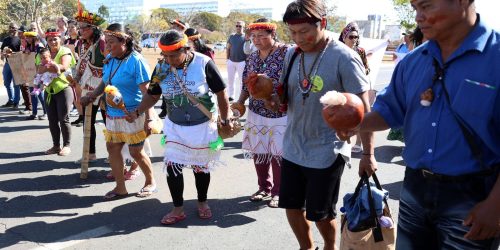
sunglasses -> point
(353, 37)
(238, 26)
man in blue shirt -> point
(446, 96)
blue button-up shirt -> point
(432, 135)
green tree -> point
(207, 20)
(164, 14)
(103, 11)
(406, 14)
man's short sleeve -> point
(352, 74)
(390, 102)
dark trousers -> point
(58, 115)
(25, 91)
(175, 181)
(431, 212)
(95, 108)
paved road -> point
(45, 205)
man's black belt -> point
(427, 174)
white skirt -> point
(263, 137)
(189, 146)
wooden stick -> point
(86, 142)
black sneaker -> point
(162, 114)
(31, 117)
(15, 106)
(8, 104)
(78, 122)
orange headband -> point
(194, 37)
(173, 47)
(262, 26)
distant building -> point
(370, 28)
(186, 8)
(123, 10)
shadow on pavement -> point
(40, 206)
(22, 128)
(232, 145)
(18, 156)
(394, 189)
(140, 215)
(53, 182)
(32, 166)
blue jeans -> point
(13, 90)
(431, 212)
(34, 102)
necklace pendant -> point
(264, 66)
(305, 83)
(427, 97)
(304, 97)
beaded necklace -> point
(178, 79)
(306, 84)
(264, 64)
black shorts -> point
(314, 190)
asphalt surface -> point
(45, 205)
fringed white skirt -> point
(263, 137)
(189, 147)
(119, 130)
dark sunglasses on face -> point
(238, 26)
(353, 37)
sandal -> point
(147, 191)
(113, 195)
(204, 213)
(53, 150)
(274, 202)
(110, 176)
(259, 196)
(131, 175)
(172, 219)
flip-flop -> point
(204, 213)
(172, 219)
(260, 196)
(113, 195)
(147, 191)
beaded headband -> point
(262, 26)
(173, 47)
(116, 34)
(30, 34)
(194, 37)
(52, 34)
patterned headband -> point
(116, 34)
(52, 34)
(348, 29)
(173, 47)
(262, 26)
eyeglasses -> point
(353, 37)
(238, 26)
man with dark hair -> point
(11, 44)
(445, 95)
(313, 157)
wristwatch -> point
(224, 122)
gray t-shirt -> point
(236, 53)
(308, 141)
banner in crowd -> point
(23, 67)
